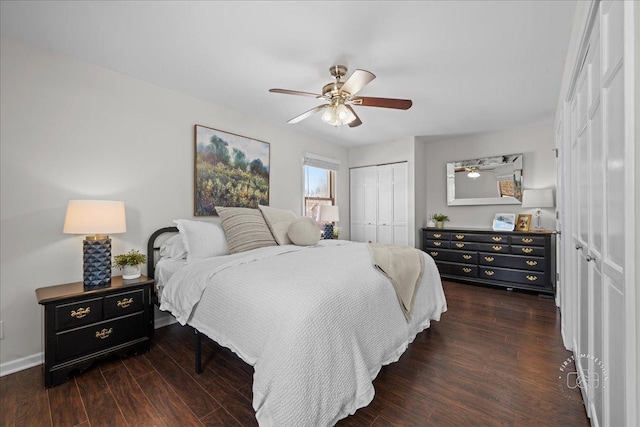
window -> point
(319, 183)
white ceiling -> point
(468, 66)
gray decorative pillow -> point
(245, 229)
(278, 221)
(303, 232)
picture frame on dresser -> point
(504, 222)
(523, 223)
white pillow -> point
(202, 239)
(303, 231)
(278, 221)
(173, 247)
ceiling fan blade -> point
(357, 121)
(307, 113)
(295, 92)
(368, 101)
(357, 80)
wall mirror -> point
(493, 180)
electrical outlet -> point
(1, 329)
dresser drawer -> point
(124, 303)
(494, 247)
(527, 250)
(453, 256)
(517, 276)
(512, 261)
(99, 336)
(464, 246)
(437, 235)
(462, 270)
(79, 313)
(528, 240)
(438, 244)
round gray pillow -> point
(303, 231)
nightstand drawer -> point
(99, 335)
(124, 303)
(78, 313)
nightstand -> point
(82, 326)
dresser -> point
(514, 260)
(82, 326)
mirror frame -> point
(516, 159)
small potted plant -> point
(129, 263)
(440, 219)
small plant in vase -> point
(129, 263)
(440, 219)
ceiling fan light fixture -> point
(473, 173)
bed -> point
(316, 322)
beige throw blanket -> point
(403, 266)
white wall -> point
(74, 130)
(401, 150)
(536, 142)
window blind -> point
(317, 161)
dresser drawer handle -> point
(125, 302)
(527, 250)
(466, 270)
(497, 247)
(527, 240)
(497, 238)
(459, 236)
(104, 333)
(437, 235)
(433, 253)
(437, 243)
(465, 256)
(489, 258)
(532, 278)
(532, 263)
(460, 245)
(81, 312)
(489, 272)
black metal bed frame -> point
(152, 249)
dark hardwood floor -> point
(493, 359)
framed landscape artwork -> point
(230, 170)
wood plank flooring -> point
(491, 360)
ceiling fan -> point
(341, 97)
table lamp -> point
(537, 199)
(328, 215)
(96, 219)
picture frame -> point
(523, 223)
(229, 170)
(504, 222)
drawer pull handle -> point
(437, 235)
(460, 245)
(497, 247)
(497, 238)
(434, 253)
(125, 302)
(81, 312)
(465, 256)
(459, 236)
(527, 250)
(532, 278)
(104, 333)
(466, 270)
(489, 258)
(527, 240)
(437, 243)
(532, 263)
(489, 272)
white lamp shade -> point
(537, 198)
(328, 214)
(95, 217)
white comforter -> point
(317, 323)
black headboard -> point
(152, 249)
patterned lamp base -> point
(97, 262)
(328, 231)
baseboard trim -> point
(13, 366)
